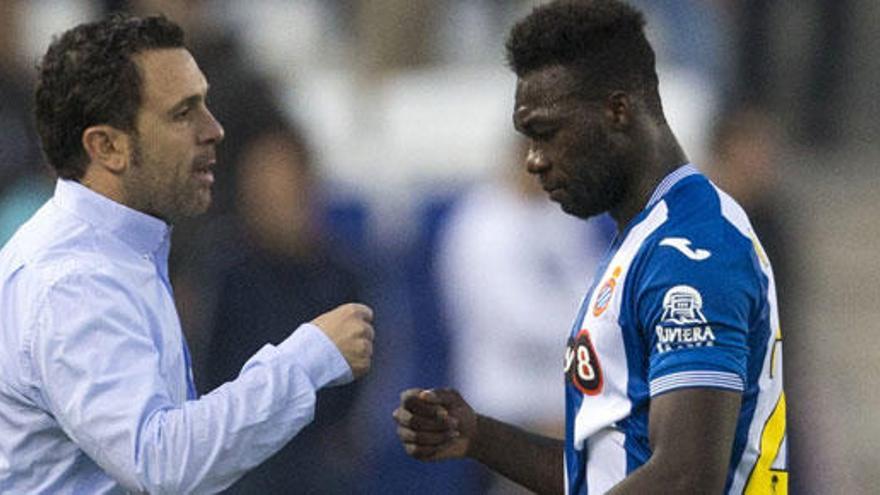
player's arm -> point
(694, 314)
(438, 424)
(691, 433)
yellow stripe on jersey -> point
(765, 480)
(762, 256)
(777, 344)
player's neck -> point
(663, 155)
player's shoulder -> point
(705, 235)
(704, 244)
(698, 211)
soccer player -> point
(96, 391)
(673, 371)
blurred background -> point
(370, 155)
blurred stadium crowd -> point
(369, 156)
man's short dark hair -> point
(88, 77)
(604, 40)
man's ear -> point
(107, 147)
(619, 110)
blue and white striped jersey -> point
(684, 298)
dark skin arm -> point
(691, 435)
(438, 424)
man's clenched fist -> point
(350, 328)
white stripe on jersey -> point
(607, 444)
(614, 404)
(713, 379)
(769, 383)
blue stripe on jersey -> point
(635, 427)
(575, 459)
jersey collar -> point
(669, 181)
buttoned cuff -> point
(319, 358)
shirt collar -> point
(144, 233)
(669, 181)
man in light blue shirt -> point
(96, 392)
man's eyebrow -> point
(189, 101)
(186, 102)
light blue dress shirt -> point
(96, 391)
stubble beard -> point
(600, 183)
(598, 194)
(179, 199)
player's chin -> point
(579, 210)
(587, 203)
(565, 201)
(573, 202)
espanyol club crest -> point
(603, 296)
(582, 366)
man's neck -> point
(103, 185)
(662, 157)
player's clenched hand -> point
(435, 424)
(350, 328)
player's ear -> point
(107, 147)
(618, 109)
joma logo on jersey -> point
(582, 364)
(684, 246)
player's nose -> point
(536, 161)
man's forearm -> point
(531, 460)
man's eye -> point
(182, 113)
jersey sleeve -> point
(694, 301)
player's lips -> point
(550, 188)
(557, 194)
(555, 190)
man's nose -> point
(213, 132)
(536, 162)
